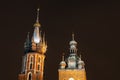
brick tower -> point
(33, 60)
(72, 68)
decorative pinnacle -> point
(80, 56)
(38, 15)
(72, 36)
(63, 56)
(28, 34)
(27, 39)
(43, 38)
(37, 24)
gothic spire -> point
(37, 24)
(27, 43)
(36, 34)
(27, 39)
(73, 36)
(63, 59)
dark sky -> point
(96, 25)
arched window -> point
(29, 76)
(39, 59)
(31, 59)
(38, 66)
(31, 65)
(31, 62)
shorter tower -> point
(73, 67)
(33, 60)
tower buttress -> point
(33, 60)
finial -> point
(37, 24)
(44, 38)
(38, 15)
(63, 56)
(28, 34)
(72, 36)
(80, 56)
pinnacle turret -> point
(62, 63)
(27, 44)
(73, 45)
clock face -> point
(71, 78)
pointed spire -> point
(28, 35)
(37, 24)
(27, 44)
(37, 20)
(28, 39)
(63, 57)
(80, 57)
(44, 38)
(73, 36)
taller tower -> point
(73, 67)
(33, 60)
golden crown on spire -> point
(37, 24)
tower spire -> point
(36, 34)
(63, 58)
(37, 20)
(37, 24)
(73, 36)
(80, 57)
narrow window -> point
(31, 65)
(38, 67)
(30, 76)
(39, 59)
(31, 59)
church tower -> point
(72, 68)
(33, 60)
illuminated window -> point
(31, 58)
(39, 59)
(31, 62)
(31, 65)
(38, 67)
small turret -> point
(27, 44)
(73, 45)
(62, 63)
(43, 45)
(80, 63)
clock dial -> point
(71, 78)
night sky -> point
(96, 25)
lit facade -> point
(33, 60)
(72, 68)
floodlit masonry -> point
(71, 68)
